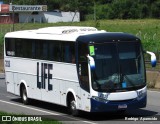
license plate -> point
(124, 106)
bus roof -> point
(69, 33)
(63, 33)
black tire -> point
(24, 96)
(72, 107)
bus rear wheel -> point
(24, 96)
(72, 107)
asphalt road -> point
(12, 104)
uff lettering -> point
(45, 75)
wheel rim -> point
(73, 105)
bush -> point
(1, 38)
(1, 45)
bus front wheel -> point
(72, 107)
(24, 96)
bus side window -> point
(19, 47)
(69, 53)
(54, 52)
(51, 51)
(27, 47)
(45, 50)
(10, 47)
(58, 52)
(73, 54)
(39, 49)
(33, 50)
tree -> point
(121, 9)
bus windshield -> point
(119, 66)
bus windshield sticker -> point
(124, 84)
(91, 50)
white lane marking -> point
(89, 122)
(45, 111)
(29, 107)
(153, 91)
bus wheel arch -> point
(24, 93)
(71, 104)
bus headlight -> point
(141, 94)
(99, 99)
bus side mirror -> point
(91, 62)
(153, 58)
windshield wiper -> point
(129, 81)
(107, 86)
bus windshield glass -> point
(119, 66)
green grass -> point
(44, 120)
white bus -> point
(81, 68)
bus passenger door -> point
(62, 92)
(10, 82)
(84, 84)
(83, 77)
(16, 86)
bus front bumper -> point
(97, 106)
